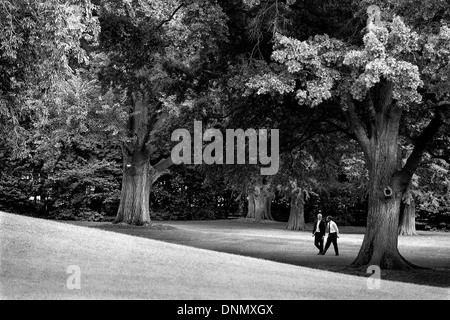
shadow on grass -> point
(273, 249)
(123, 226)
(426, 277)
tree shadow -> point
(425, 276)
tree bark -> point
(297, 212)
(380, 244)
(250, 205)
(268, 205)
(378, 137)
(138, 175)
(259, 203)
(135, 194)
(379, 140)
(138, 179)
(407, 225)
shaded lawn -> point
(271, 241)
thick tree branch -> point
(160, 169)
(371, 108)
(161, 121)
(384, 91)
(139, 118)
(163, 164)
(152, 138)
(420, 146)
(152, 122)
(357, 126)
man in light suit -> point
(333, 234)
(319, 233)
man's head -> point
(329, 218)
(319, 216)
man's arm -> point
(314, 228)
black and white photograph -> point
(227, 157)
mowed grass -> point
(35, 255)
(271, 241)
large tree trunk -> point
(138, 175)
(297, 212)
(381, 239)
(380, 146)
(375, 123)
(250, 205)
(407, 222)
(407, 225)
(259, 202)
(135, 195)
(268, 205)
(138, 179)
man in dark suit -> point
(319, 233)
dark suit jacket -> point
(321, 227)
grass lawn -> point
(271, 241)
(35, 254)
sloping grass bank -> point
(35, 256)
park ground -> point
(222, 259)
(271, 241)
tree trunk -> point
(381, 239)
(380, 146)
(297, 212)
(250, 205)
(268, 205)
(407, 225)
(259, 203)
(376, 124)
(135, 195)
(143, 123)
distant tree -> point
(152, 53)
(70, 161)
(41, 47)
(40, 43)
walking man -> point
(333, 234)
(319, 233)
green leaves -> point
(381, 58)
(271, 83)
(436, 63)
(321, 67)
(309, 69)
(45, 34)
(403, 75)
(40, 44)
(433, 186)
